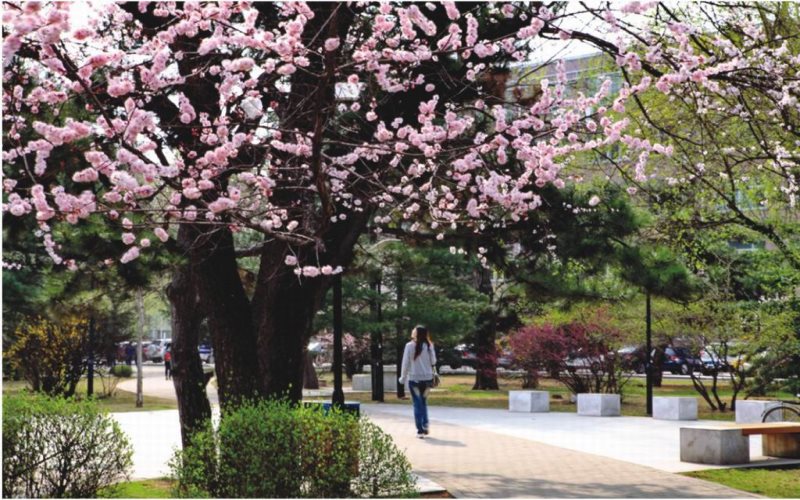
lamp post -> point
(90, 360)
(338, 393)
(376, 346)
(649, 359)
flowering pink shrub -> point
(355, 351)
(579, 354)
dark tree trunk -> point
(187, 370)
(485, 334)
(398, 331)
(658, 366)
(229, 317)
(283, 309)
(310, 380)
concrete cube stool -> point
(674, 408)
(750, 411)
(529, 401)
(714, 445)
(362, 382)
(390, 378)
(599, 405)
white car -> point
(156, 350)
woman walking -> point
(419, 360)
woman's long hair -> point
(422, 337)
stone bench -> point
(730, 444)
(750, 411)
(363, 381)
(674, 408)
(599, 405)
(529, 401)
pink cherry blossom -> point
(130, 255)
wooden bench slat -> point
(771, 430)
(761, 428)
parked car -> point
(633, 358)
(579, 361)
(466, 355)
(680, 360)
(206, 353)
(155, 350)
(712, 362)
(456, 357)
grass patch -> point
(122, 401)
(456, 390)
(774, 483)
(148, 488)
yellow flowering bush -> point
(49, 354)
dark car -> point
(456, 357)
(680, 360)
(633, 358)
(712, 362)
(466, 355)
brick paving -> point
(481, 464)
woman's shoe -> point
(420, 435)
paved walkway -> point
(483, 464)
(492, 453)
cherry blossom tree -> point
(302, 126)
(725, 96)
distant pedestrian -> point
(419, 360)
(130, 353)
(168, 364)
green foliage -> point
(55, 447)
(383, 470)
(271, 449)
(122, 371)
(435, 284)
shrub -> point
(383, 470)
(108, 382)
(55, 447)
(122, 371)
(272, 449)
(580, 355)
(50, 355)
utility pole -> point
(140, 306)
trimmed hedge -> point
(56, 448)
(272, 449)
(122, 371)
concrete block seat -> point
(674, 408)
(730, 444)
(362, 382)
(750, 411)
(599, 405)
(529, 401)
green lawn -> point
(773, 483)
(148, 488)
(456, 390)
(122, 401)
